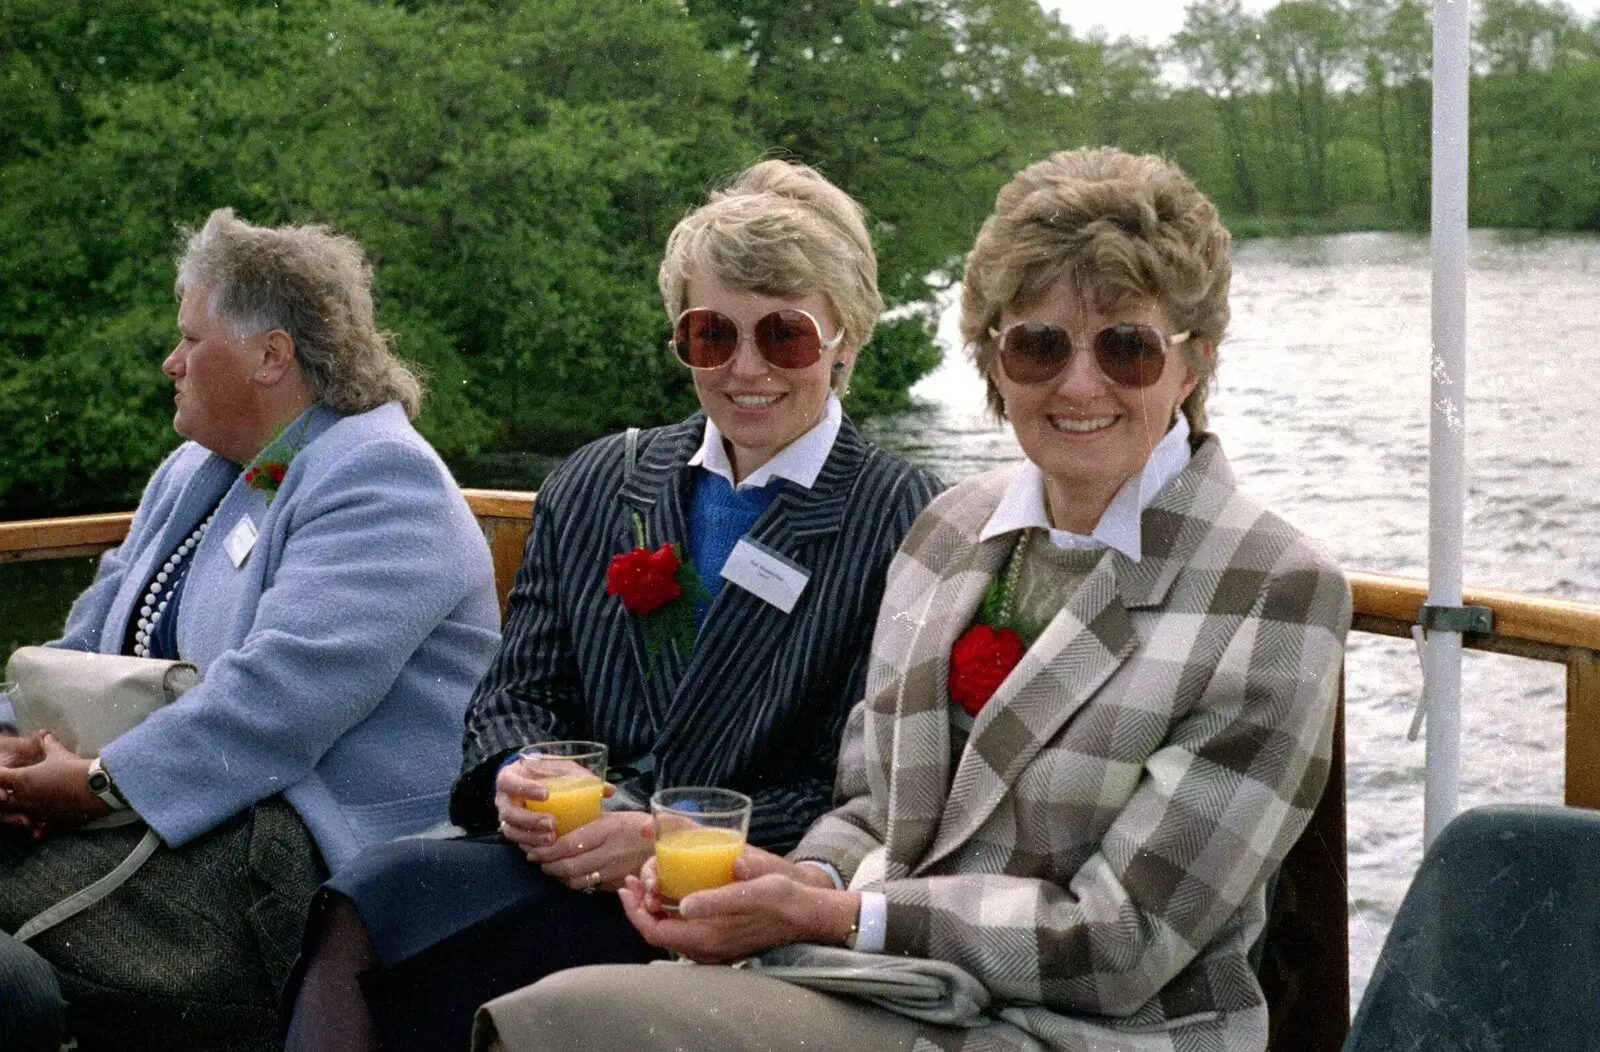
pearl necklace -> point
(166, 581)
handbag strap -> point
(645, 764)
(630, 453)
(77, 902)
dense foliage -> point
(1323, 108)
(513, 169)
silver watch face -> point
(99, 782)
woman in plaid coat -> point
(1098, 709)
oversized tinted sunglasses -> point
(789, 339)
(1034, 352)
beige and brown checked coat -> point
(1097, 856)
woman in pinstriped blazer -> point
(772, 286)
(1098, 713)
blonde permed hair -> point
(1125, 228)
(314, 285)
(780, 229)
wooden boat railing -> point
(503, 514)
(1306, 970)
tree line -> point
(513, 169)
(1320, 110)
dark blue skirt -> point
(455, 923)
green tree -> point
(1306, 42)
(1370, 20)
(1219, 45)
(512, 170)
(1522, 174)
(1407, 48)
(921, 109)
(1521, 36)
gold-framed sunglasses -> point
(788, 338)
(1127, 354)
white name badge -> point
(766, 574)
(240, 540)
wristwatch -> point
(101, 785)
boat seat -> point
(1497, 942)
(1304, 969)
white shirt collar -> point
(800, 461)
(1023, 505)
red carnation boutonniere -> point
(267, 470)
(660, 586)
(979, 662)
(984, 655)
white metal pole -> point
(1448, 406)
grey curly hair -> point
(311, 283)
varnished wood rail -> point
(1306, 972)
(34, 539)
(1543, 629)
(503, 514)
(1535, 627)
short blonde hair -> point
(314, 285)
(1124, 228)
(780, 229)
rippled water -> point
(1322, 408)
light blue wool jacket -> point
(336, 661)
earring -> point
(838, 367)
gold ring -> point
(591, 882)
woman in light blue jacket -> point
(310, 553)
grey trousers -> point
(192, 952)
(677, 1008)
(32, 1013)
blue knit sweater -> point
(718, 517)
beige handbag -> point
(87, 701)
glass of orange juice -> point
(574, 778)
(699, 831)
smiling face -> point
(215, 398)
(760, 408)
(1085, 433)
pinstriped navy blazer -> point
(760, 704)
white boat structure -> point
(1439, 639)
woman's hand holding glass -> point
(700, 832)
(615, 846)
(596, 853)
(771, 901)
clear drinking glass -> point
(574, 778)
(699, 831)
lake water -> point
(1321, 406)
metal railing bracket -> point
(1455, 618)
